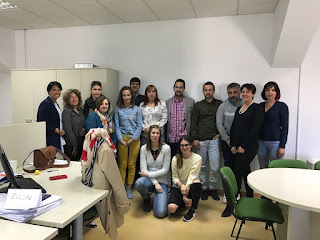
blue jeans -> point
(268, 151)
(160, 200)
(209, 179)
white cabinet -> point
(29, 88)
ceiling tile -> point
(253, 2)
(5, 20)
(210, 4)
(168, 5)
(136, 16)
(216, 12)
(71, 22)
(84, 10)
(176, 15)
(255, 9)
(16, 26)
(42, 24)
(30, 3)
(104, 21)
(54, 13)
(125, 5)
(19, 15)
(70, 1)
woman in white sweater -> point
(185, 178)
(154, 171)
(154, 112)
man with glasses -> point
(179, 116)
(135, 86)
(205, 136)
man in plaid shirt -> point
(179, 116)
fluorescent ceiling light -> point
(6, 5)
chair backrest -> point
(288, 163)
(317, 166)
(229, 185)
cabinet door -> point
(69, 79)
(41, 80)
(22, 96)
(88, 76)
(112, 89)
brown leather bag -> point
(44, 158)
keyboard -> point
(28, 183)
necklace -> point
(243, 111)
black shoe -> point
(214, 194)
(227, 211)
(146, 205)
(91, 225)
(189, 216)
(204, 195)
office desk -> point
(76, 198)
(21, 231)
(299, 189)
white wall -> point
(221, 50)
(309, 113)
(7, 61)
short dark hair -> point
(120, 102)
(100, 100)
(209, 84)
(269, 85)
(66, 97)
(54, 83)
(135, 79)
(181, 81)
(95, 83)
(145, 100)
(233, 85)
(250, 87)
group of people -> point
(178, 139)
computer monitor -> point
(7, 168)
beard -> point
(234, 99)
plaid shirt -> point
(178, 125)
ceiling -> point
(37, 14)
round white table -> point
(299, 189)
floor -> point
(207, 224)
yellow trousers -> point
(127, 158)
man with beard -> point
(179, 116)
(205, 136)
(225, 115)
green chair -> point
(317, 166)
(248, 209)
(288, 163)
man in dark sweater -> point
(205, 138)
(135, 86)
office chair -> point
(317, 166)
(248, 209)
(288, 163)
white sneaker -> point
(224, 200)
(238, 197)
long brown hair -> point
(146, 100)
(120, 102)
(179, 154)
(149, 139)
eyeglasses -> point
(184, 145)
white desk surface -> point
(299, 188)
(17, 231)
(76, 197)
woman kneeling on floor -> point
(186, 189)
(155, 175)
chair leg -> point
(239, 229)
(234, 225)
(274, 233)
(267, 226)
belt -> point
(127, 135)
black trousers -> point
(68, 151)
(174, 149)
(228, 156)
(194, 193)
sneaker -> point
(129, 194)
(238, 197)
(204, 194)
(189, 216)
(227, 211)
(224, 199)
(91, 225)
(214, 195)
(146, 205)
